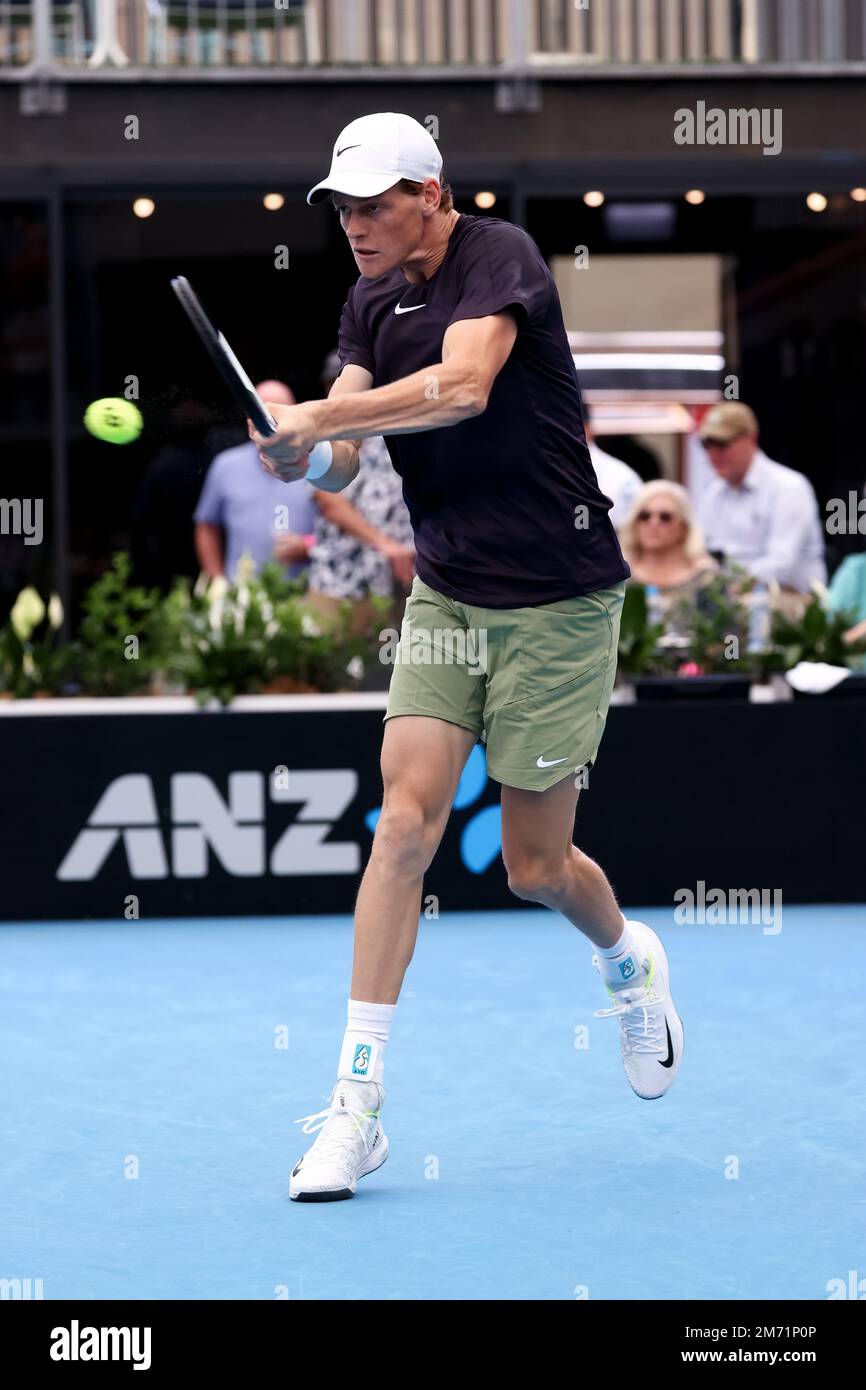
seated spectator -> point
(363, 542)
(758, 513)
(240, 509)
(615, 479)
(847, 594)
(663, 543)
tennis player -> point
(452, 346)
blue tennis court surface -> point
(153, 1045)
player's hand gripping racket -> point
(236, 378)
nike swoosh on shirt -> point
(542, 763)
(410, 309)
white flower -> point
(245, 569)
(240, 619)
(218, 588)
(28, 612)
(216, 596)
(272, 628)
(55, 611)
(355, 668)
(28, 665)
(309, 627)
(266, 608)
(215, 614)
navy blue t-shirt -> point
(493, 500)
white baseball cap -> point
(375, 152)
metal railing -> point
(58, 37)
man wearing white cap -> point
(452, 346)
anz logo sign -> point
(202, 822)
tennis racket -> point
(234, 376)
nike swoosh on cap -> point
(347, 147)
(410, 308)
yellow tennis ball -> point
(113, 419)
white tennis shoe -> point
(351, 1143)
(650, 1029)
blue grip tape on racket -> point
(320, 459)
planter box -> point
(692, 687)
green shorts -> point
(534, 684)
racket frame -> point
(218, 349)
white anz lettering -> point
(202, 822)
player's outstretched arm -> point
(345, 464)
(285, 461)
(455, 389)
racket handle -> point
(321, 457)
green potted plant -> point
(254, 635)
(116, 647)
(638, 637)
(700, 650)
(818, 636)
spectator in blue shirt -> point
(244, 509)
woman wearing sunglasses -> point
(664, 544)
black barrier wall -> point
(272, 811)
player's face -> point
(384, 231)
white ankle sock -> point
(621, 964)
(362, 1057)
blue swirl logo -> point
(481, 836)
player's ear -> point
(432, 196)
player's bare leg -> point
(422, 759)
(545, 867)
